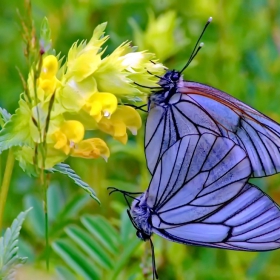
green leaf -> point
(36, 219)
(64, 168)
(5, 115)
(16, 131)
(123, 259)
(102, 231)
(9, 258)
(73, 207)
(45, 36)
(55, 201)
(75, 259)
(90, 246)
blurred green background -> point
(241, 57)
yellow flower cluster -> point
(83, 94)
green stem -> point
(45, 186)
(6, 184)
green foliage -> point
(45, 36)
(66, 170)
(9, 258)
(5, 115)
(14, 132)
(95, 250)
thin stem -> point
(45, 184)
(6, 184)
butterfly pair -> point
(202, 146)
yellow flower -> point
(69, 134)
(142, 71)
(115, 71)
(61, 101)
(83, 59)
(101, 104)
(49, 67)
(91, 148)
(125, 117)
(47, 79)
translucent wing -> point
(198, 109)
(249, 222)
(196, 176)
(199, 195)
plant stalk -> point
(6, 184)
(45, 205)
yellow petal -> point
(91, 148)
(125, 117)
(49, 67)
(122, 139)
(48, 85)
(113, 127)
(61, 142)
(73, 130)
(95, 110)
(129, 116)
(102, 104)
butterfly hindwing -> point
(248, 222)
(196, 176)
(199, 195)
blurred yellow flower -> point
(91, 148)
(162, 35)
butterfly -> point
(180, 107)
(199, 195)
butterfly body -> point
(169, 84)
(141, 214)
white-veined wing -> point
(197, 109)
(199, 195)
(249, 222)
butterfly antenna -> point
(146, 86)
(136, 107)
(197, 47)
(125, 194)
(155, 275)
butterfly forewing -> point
(198, 109)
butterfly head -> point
(142, 235)
(170, 79)
(169, 84)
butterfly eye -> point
(139, 235)
(175, 77)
